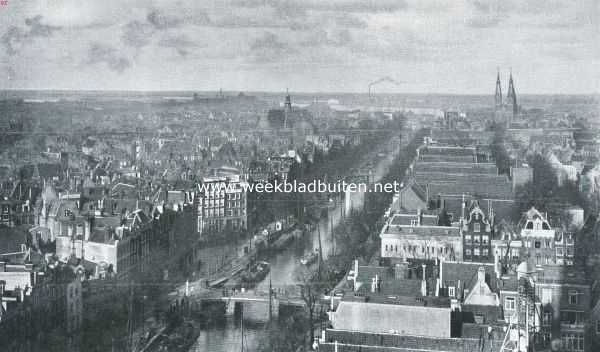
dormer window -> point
(477, 227)
(529, 225)
(451, 291)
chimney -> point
(481, 274)
(355, 272)
(497, 261)
(424, 282)
(462, 212)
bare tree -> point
(311, 289)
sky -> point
(424, 46)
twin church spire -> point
(511, 98)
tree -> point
(311, 289)
(284, 335)
(498, 150)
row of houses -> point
(460, 270)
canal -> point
(227, 336)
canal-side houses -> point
(418, 236)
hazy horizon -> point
(283, 92)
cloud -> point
(334, 38)
(349, 21)
(362, 5)
(268, 41)
(161, 21)
(16, 37)
(13, 39)
(181, 43)
(137, 34)
(236, 21)
(486, 13)
(38, 29)
(269, 47)
(99, 53)
(301, 6)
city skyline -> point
(266, 46)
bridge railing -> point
(283, 291)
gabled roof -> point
(466, 272)
(481, 294)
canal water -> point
(227, 337)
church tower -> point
(511, 98)
(498, 96)
(287, 108)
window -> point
(559, 251)
(570, 251)
(571, 317)
(529, 225)
(477, 227)
(546, 295)
(572, 342)
(468, 238)
(476, 252)
(467, 252)
(484, 239)
(514, 252)
(573, 297)
(485, 252)
(509, 303)
(597, 326)
(548, 243)
(537, 244)
(451, 291)
(547, 318)
(386, 247)
(569, 238)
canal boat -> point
(256, 273)
(309, 258)
(180, 339)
